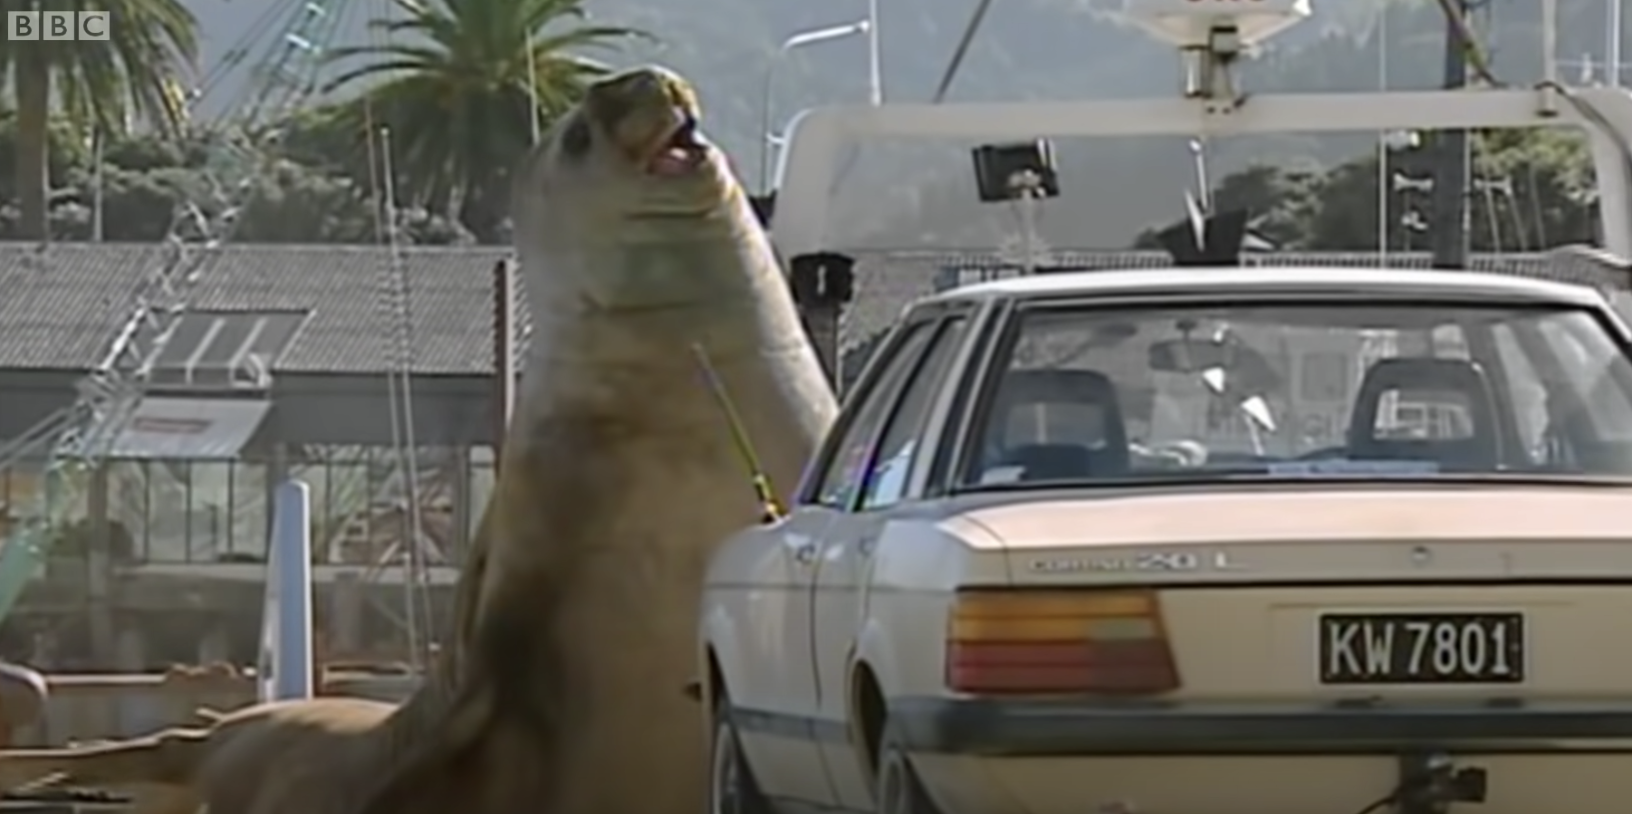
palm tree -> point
(99, 86)
(462, 86)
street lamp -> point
(814, 36)
(875, 71)
(1616, 35)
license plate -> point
(1424, 648)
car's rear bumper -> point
(1068, 728)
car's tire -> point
(731, 785)
(897, 789)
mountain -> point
(1032, 49)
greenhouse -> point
(290, 362)
(210, 512)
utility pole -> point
(1452, 160)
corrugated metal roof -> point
(59, 308)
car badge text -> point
(1139, 561)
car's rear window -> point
(1288, 388)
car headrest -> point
(1431, 374)
(1051, 461)
(1026, 386)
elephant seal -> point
(247, 760)
(637, 245)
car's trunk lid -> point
(1351, 594)
(1331, 534)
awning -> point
(202, 429)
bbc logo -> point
(57, 25)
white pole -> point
(1549, 56)
(98, 183)
(532, 87)
(285, 671)
(1383, 174)
(875, 70)
(799, 40)
(1615, 24)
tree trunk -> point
(33, 158)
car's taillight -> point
(1024, 641)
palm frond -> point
(462, 84)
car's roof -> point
(1291, 279)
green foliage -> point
(96, 86)
(145, 179)
(1541, 198)
(462, 87)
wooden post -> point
(504, 353)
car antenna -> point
(770, 508)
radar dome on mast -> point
(1212, 35)
(1192, 24)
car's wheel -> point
(731, 785)
(898, 789)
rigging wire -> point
(401, 488)
(956, 62)
(1474, 55)
(238, 52)
(398, 339)
(399, 396)
(853, 151)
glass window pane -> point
(167, 511)
(846, 467)
(482, 480)
(146, 512)
(436, 487)
(1589, 356)
(209, 512)
(898, 448)
(347, 511)
(10, 510)
(127, 498)
(249, 511)
(311, 467)
(1526, 390)
(1423, 396)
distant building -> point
(282, 366)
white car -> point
(1237, 541)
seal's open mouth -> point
(682, 151)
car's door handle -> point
(805, 554)
(865, 546)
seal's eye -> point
(644, 83)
